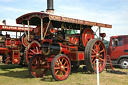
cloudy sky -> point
(114, 12)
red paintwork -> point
(87, 35)
(3, 50)
(9, 42)
(116, 52)
(76, 55)
(16, 57)
(73, 56)
(59, 46)
(10, 47)
(32, 49)
(53, 30)
(38, 70)
(62, 70)
(66, 49)
(98, 52)
(74, 40)
(46, 40)
(81, 56)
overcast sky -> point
(114, 12)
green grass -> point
(17, 75)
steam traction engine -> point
(61, 44)
(12, 48)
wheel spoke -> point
(100, 66)
(29, 56)
(60, 62)
(101, 55)
(97, 48)
(93, 61)
(102, 51)
(57, 68)
(33, 51)
(34, 67)
(93, 50)
(60, 73)
(30, 53)
(65, 63)
(37, 49)
(56, 72)
(64, 70)
(66, 67)
(99, 44)
(93, 56)
(57, 64)
(101, 59)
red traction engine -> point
(61, 44)
(11, 47)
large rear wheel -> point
(95, 49)
(60, 67)
(32, 49)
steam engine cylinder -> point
(50, 49)
(54, 49)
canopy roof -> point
(35, 17)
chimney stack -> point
(50, 8)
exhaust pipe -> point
(50, 8)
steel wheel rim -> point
(62, 68)
(98, 52)
(38, 67)
(32, 50)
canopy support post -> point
(20, 33)
(16, 34)
(24, 29)
(80, 29)
(28, 30)
(42, 29)
(99, 31)
(47, 28)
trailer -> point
(61, 44)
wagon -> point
(61, 44)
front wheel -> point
(124, 63)
(37, 66)
(60, 67)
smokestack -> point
(50, 8)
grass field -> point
(17, 75)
